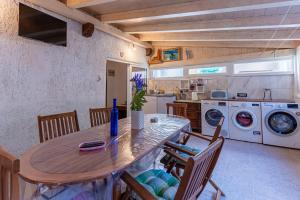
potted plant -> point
(137, 103)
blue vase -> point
(114, 119)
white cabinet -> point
(161, 103)
(157, 104)
(151, 106)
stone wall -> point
(39, 79)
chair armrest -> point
(175, 147)
(136, 186)
(197, 135)
(176, 155)
(175, 175)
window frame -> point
(292, 58)
(207, 66)
(229, 69)
(167, 78)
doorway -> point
(116, 86)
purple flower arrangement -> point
(138, 98)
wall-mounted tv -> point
(37, 25)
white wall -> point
(117, 84)
(40, 79)
(297, 76)
(282, 86)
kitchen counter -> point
(160, 95)
(187, 101)
(261, 100)
(246, 100)
(157, 103)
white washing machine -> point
(281, 123)
(211, 113)
(245, 121)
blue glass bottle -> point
(114, 119)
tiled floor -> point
(248, 171)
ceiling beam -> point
(229, 58)
(260, 44)
(86, 3)
(195, 8)
(260, 35)
(262, 22)
(77, 15)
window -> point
(167, 73)
(207, 70)
(274, 66)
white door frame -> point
(130, 65)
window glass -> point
(273, 66)
(167, 73)
(207, 70)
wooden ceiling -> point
(212, 23)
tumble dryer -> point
(211, 113)
(281, 123)
(245, 121)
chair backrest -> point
(9, 178)
(198, 171)
(99, 116)
(57, 125)
(179, 109)
(217, 130)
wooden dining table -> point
(59, 161)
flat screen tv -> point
(37, 25)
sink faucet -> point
(268, 92)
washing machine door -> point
(282, 123)
(244, 119)
(213, 117)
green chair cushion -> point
(167, 158)
(194, 150)
(158, 182)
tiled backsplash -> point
(282, 86)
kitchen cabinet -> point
(193, 114)
(151, 106)
(157, 104)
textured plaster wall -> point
(40, 79)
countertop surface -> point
(187, 101)
(244, 100)
(160, 95)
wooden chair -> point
(198, 170)
(179, 109)
(9, 178)
(99, 116)
(200, 136)
(57, 125)
(171, 162)
(190, 151)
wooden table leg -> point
(117, 190)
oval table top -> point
(59, 160)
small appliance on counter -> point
(242, 95)
(195, 96)
(219, 94)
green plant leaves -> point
(138, 100)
